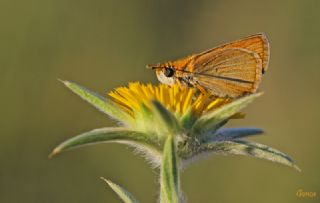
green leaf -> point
(170, 183)
(165, 119)
(226, 134)
(246, 148)
(99, 102)
(187, 119)
(121, 192)
(211, 120)
(121, 135)
(144, 119)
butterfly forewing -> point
(230, 72)
(257, 43)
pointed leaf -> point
(144, 119)
(170, 183)
(211, 120)
(99, 102)
(165, 118)
(102, 135)
(187, 119)
(226, 134)
(126, 196)
(243, 147)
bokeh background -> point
(106, 44)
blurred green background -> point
(106, 44)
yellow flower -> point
(169, 126)
(149, 115)
(175, 98)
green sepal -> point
(104, 105)
(211, 120)
(226, 134)
(126, 196)
(144, 119)
(164, 119)
(117, 134)
(187, 119)
(248, 148)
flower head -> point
(186, 105)
(177, 99)
(150, 114)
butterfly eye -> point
(169, 72)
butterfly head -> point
(165, 73)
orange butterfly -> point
(230, 70)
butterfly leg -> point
(184, 82)
(202, 89)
